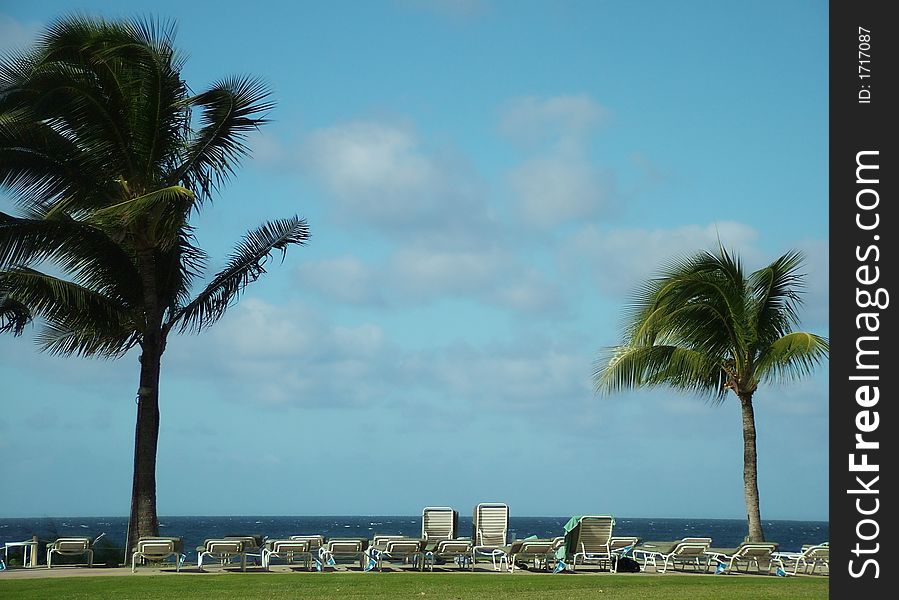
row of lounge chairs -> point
(697, 553)
(587, 540)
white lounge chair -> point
(811, 556)
(289, 550)
(589, 540)
(336, 548)
(405, 549)
(688, 551)
(748, 554)
(71, 546)
(490, 529)
(223, 549)
(157, 549)
(457, 550)
(315, 542)
(438, 523)
(538, 550)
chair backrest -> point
(756, 550)
(594, 533)
(381, 539)
(692, 547)
(453, 546)
(315, 541)
(490, 524)
(159, 546)
(220, 546)
(403, 546)
(345, 546)
(438, 523)
(289, 545)
(818, 552)
(533, 546)
(72, 544)
(249, 541)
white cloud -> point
(558, 183)
(621, 258)
(286, 355)
(290, 355)
(418, 274)
(559, 189)
(560, 119)
(380, 174)
(344, 279)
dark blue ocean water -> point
(791, 535)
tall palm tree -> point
(108, 154)
(705, 327)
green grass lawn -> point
(436, 586)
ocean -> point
(725, 533)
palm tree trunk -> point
(750, 471)
(143, 521)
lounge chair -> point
(748, 553)
(438, 523)
(490, 528)
(337, 548)
(157, 549)
(811, 555)
(289, 550)
(536, 549)
(71, 546)
(223, 549)
(252, 545)
(588, 541)
(688, 551)
(315, 542)
(405, 549)
(456, 550)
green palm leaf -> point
(245, 266)
(14, 316)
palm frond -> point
(14, 316)
(161, 215)
(697, 302)
(230, 110)
(775, 296)
(245, 266)
(64, 338)
(660, 365)
(791, 357)
(178, 268)
(40, 165)
(84, 252)
(60, 301)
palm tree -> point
(704, 327)
(108, 154)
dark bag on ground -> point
(626, 564)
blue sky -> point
(485, 182)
